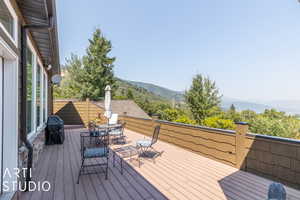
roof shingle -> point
(125, 106)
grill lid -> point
(54, 120)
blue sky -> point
(250, 48)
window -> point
(38, 96)
(6, 18)
(30, 92)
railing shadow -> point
(267, 160)
(69, 114)
(240, 185)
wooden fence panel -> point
(78, 112)
(218, 146)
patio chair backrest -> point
(113, 119)
(92, 126)
(123, 126)
(155, 134)
(88, 141)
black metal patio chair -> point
(145, 145)
(117, 133)
(94, 150)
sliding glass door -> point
(8, 120)
(1, 118)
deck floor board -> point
(176, 174)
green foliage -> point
(152, 107)
(185, 119)
(217, 122)
(130, 94)
(232, 108)
(274, 123)
(170, 114)
(87, 77)
(120, 98)
(273, 113)
(201, 97)
(70, 85)
(98, 68)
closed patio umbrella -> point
(107, 102)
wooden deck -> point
(177, 174)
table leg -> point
(139, 158)
(121, 165)
(139, 162)
(114, 154)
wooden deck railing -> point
(272, 157)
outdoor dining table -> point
(108, 127)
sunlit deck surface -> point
(177, 174)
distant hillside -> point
(124, 86)
(160, 91)
(289, 106)
(243, 105)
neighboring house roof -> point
(128, 106)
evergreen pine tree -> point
(98, 68)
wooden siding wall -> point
(277, 159)
(77, 112)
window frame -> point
(33, 91)
(33, 109)
(37, 62)
(14, 36)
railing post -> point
(123, 117)
(241, 131)
(154, 118)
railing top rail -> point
(197, 127)
(75, 100)
(232, 132)
(275, 138)
(187, 125)
(135, 117)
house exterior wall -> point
(14, 83)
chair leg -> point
(106, 172)
(114, 157)
(81, 168)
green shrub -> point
(217, 122)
